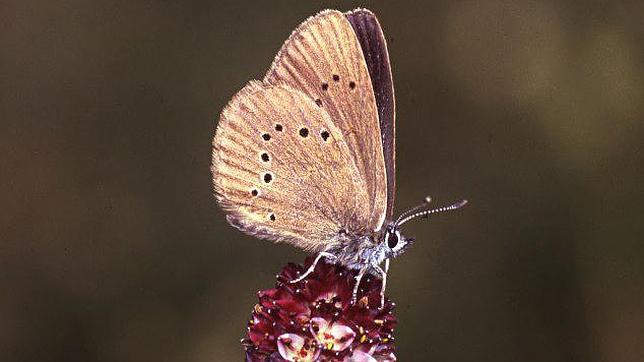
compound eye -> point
(392, 240)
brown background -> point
(112, 248)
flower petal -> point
(343, 336)
(293, 347)
(318, 325)
(335, 337)
(373, 354)
(289, 345)
(388, 358)
(359, 356)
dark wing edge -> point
(374, 47)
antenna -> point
(418, 212)
(416, 208)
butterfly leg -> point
(361, 273)
(310, 270)
(383, 273)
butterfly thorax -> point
(358, 252)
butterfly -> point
(306, 156)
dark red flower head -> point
(313, 320)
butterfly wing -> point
(282, 169)
(323, 59)
(374, 48)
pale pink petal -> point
(389, 358)
(343, 336)
(293, 347)
(289, 345)
(318, 325)
(359, 356)
(335, 337)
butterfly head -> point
(393, 242)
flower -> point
(314, 320)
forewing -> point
(323, 59)
(374, 48)
(282, 169)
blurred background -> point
(113, 249)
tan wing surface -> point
(324, 60)
(282, 169)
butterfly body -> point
(358, 253)
(306, 155)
